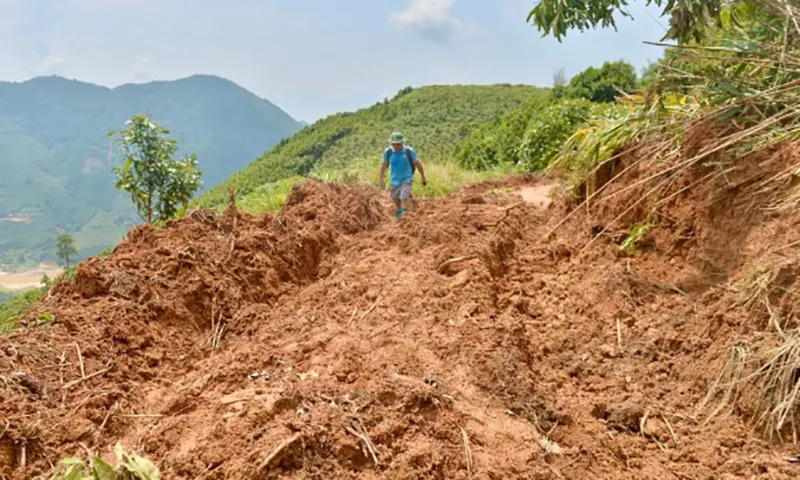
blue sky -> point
(310, 57)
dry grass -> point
(764, 379)
(728, 381)
(745, 88)
(762, 373)
(777, 383)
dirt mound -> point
(471, 339)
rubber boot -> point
(400, 213)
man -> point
(403, 161)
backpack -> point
(408, 156)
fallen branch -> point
(467, 451)
(455, 260)
(61, 365)
(144, 415)
(385, 329)
(217, 326)
(86, 400)
(671, 431)
(507, 210)
(370, 310)
(353, 316)
(80, 360)
(71, 384)
(357, 430)
(105, 420)
(272, 456)
(218, 335)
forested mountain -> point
(56, 159)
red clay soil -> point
(466, 341)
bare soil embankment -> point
(471, 340)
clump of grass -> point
(770, 375)
(598, 144)
(728, 380)
(129, 466)
(764, 372)
(446, 178)
(766, 288)
(268, 198)
(754, 286)
(636, 234)
(778, 386)
(12, 310)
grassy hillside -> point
(434, 119)
(56, 160)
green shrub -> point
(269, 197)
(129, 466)
(497, 142)
(548, 130)
(18, 305)
(603, 84)
(597, 141)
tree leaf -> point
(75, 471)
(140, 467)
(101, 470)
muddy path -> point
(469, 340)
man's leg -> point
(405, 197)
(394, 192)
(412, 202)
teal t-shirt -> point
(400, 170)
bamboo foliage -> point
(745, 77)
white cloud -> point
(431, 18)
(142, 62)
(141, 68)
(51, 62)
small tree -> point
(559, 78)
(603, 84)
(159, 184)
(65, 247)
(559, 83)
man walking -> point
(402, 162)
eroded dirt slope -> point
(468, 341)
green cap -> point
(397, 137)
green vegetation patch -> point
(17, 305)
(435, 119)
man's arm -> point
(384, 166)
(421, 169)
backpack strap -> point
(410, 160)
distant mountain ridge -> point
(56, 158)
